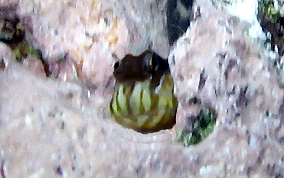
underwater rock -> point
(51, 128)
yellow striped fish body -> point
(143, 97)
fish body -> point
(143, 98)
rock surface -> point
(55, 128)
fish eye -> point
(116, 65)
(155, 62)
(152, 62)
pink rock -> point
(35, 65)
(51, 128)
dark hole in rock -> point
(202, 80)
(194, 100)
(281, 140)
(143, 98)
(247, 132)
(230, 65)
(229, 31)
(2, 64)
(32, 109)
(272, 22)
(270, 169)
(59, 170)
(267, 114)
(278, 175)
(179, 15)
(62, 125)
(243, 100)
(12, 33)
(281, 21)
(180, 77)
(265, 137)
(70, 95)
(222, 57)
(281, 112)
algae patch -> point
(202, 125)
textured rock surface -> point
(50, 128)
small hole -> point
(59, 170)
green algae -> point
(202, 126)
(24, 49)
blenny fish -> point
(143, 98)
